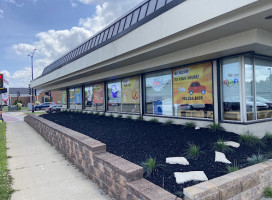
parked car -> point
(195, 87)
(53, 109)
(43, 106)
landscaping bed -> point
(137, 140)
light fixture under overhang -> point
(269, 17)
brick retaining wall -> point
(246, 184)
(119, 178)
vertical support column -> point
(83, 97)
(141, 94)
(216, 93)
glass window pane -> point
(128, 20)
(114, 96)
(249, 84)
(131, 95)
(160, 4)
(192, 91)
(231, 89)
(122, 23)
(263, 71)
(78, 98)
(135, 16)
(116, 26)
(158, 93)
(143, 11)
(94, 97)
(151, 7)
(72, 98)
(64, 99)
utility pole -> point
(32, 93)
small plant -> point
(268, 155)
(268, 192)
(267, 136)
(232, 168)
(221, 146)
(120, 116)
(250, 139)
(111, 115)
(215, 127)
(140, 118)
(154, 120)
(169, 122)
(103, 114)
(129, 117)
(97, 113)
(193, 151)
(151, 167)
(255, 159)
(190, 124)
(179, 194)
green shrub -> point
(169, 122)
(215, 127)
(250, 139)
(190, 124)
(19, 106)
(255, 159)
(151, 167)
(268, 192)
(193, 151)
(140, 118)
(154, 120)
(232, 168)
(97, 113)
(267, 136)
(16, 102)
(103, 114)
(129, 117)
(37, 103)
(221, 146)
(120, 116)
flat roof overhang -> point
(241, 30)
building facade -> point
(207, 61)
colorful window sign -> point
(98, 93)
(63, 97)
(78, 96)
(193, 84)
(130, 90)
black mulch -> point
(137, 140)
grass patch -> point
(120, 116)
(190, 124)
(215, 127)
(221, 146)
(5, 179)
(255, 159)
(140, 118)
(250, 139)
(129, 117)
(151, 167)
(154, 120)
(169, 122)
(232, 168)
(267, 136)
(193, 151)
(268, 192)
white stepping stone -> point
(221, 157)
(232, 144)
(177, 160)
(183, 177)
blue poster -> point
(78, 96)
(157, 107)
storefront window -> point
(231, 89)
(72, 98)
(158, 93)
(94, 97)
(114, 96)
(192, 91)
(263, 71)
(78, 98)
(130, 95)
(64, 99)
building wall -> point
(56, 96)
(25, 100)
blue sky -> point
(53, 27)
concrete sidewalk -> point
(40, 172)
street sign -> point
(2, 81)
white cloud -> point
(52, 44)
(1, 13)
(16, 3)
(86, 1)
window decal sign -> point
(130, 90)
(98, 93)
(193, 84)
(78, 96)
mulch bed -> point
(137, 140)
